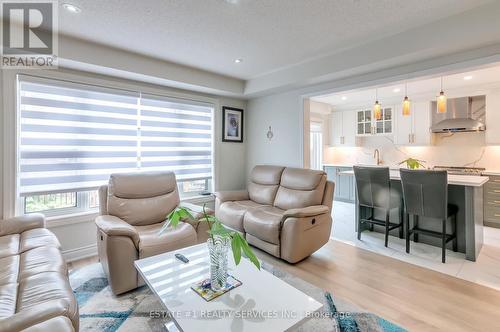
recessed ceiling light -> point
(71, 8)
(396, 90)
(344, 98)
(468, 77)
(232, 2)
(238, 60)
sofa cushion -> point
(141, 185)
(42, 259)
(43, 287)
(9, 245)
(9, 269)
(38, 237)
(300, 188)
(263, 185)
(231, 213)
(152, 243)
(59, 324)
(143, 211)
(264, 223)
(8, 299)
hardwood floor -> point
(413, 297)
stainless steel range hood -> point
(463, 114)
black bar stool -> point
(425, 194)
(373, 186)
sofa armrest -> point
(198, 223)
(309, 211)
(23, 223)
(196, 210)
(232, 195)
(34, 315)
(114, 226)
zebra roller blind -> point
(72, 137)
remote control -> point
(182, 258)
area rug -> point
(100, 310)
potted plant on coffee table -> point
(219, 241)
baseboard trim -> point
(71, 255)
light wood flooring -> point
(411, 296)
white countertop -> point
(494, 172)
(459, 180)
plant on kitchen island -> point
(412, 163)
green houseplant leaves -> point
(239, 245)
(412, 163)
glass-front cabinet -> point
(368, 125)
(364, 122)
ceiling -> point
(268, 35)
(458, 84)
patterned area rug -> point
(100, 310)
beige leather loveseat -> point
(35, 293)
(285, 211)
(133, 208)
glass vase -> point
(218, 248)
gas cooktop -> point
(460, 170)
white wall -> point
(283, 112)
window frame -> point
(13, 202)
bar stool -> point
(374, 192)
(425, 194)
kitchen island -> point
(466, 192)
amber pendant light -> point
(406, 102)
(377, 109)
(441, 100)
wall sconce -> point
(270, 134)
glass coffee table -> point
(262, 303)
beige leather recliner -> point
(35, 293)
(285, 211)
(133, 208)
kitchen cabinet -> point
(492, 134)
(413, 129)
(343, 128)
(492, 202)
(344, 184)
(367, 125)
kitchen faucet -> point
(376, 155)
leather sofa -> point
(133, 208)
(285, 211)
(35, 294)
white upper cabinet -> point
(349, 127)
(336, 129)
(413, 129)
(492, 134)
(343, 128)
(367, 125)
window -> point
(316, 145)
(72, 137)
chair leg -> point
(407, 221)
(371, 227)
(401, 222)
(415, 225)
(387, 229)
(454, 229)
(443, 244)
(359, 230)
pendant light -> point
(406, 102)
(441, 100)
(377, 109)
